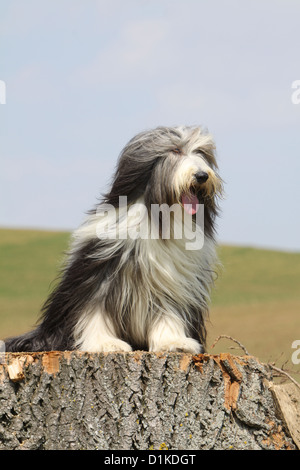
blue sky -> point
(83, 77)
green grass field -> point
(256, 299)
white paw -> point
(115, 345)
(187, 345)
(107, 345)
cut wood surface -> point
(140, 400)
(287, 400)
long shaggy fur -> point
(120, 293)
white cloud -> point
(132, 55)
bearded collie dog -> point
(128, 283)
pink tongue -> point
(190, 202)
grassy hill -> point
(256, 300)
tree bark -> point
(138, 400)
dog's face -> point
(168, 166)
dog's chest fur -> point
(146, 279)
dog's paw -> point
(113, 345)
(116, 345)
(187, 345)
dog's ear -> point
(130, 180)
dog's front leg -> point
(168, 334)
(94, 332)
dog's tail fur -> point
(28, 342)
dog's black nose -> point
(201, 176)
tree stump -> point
(138, 400)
